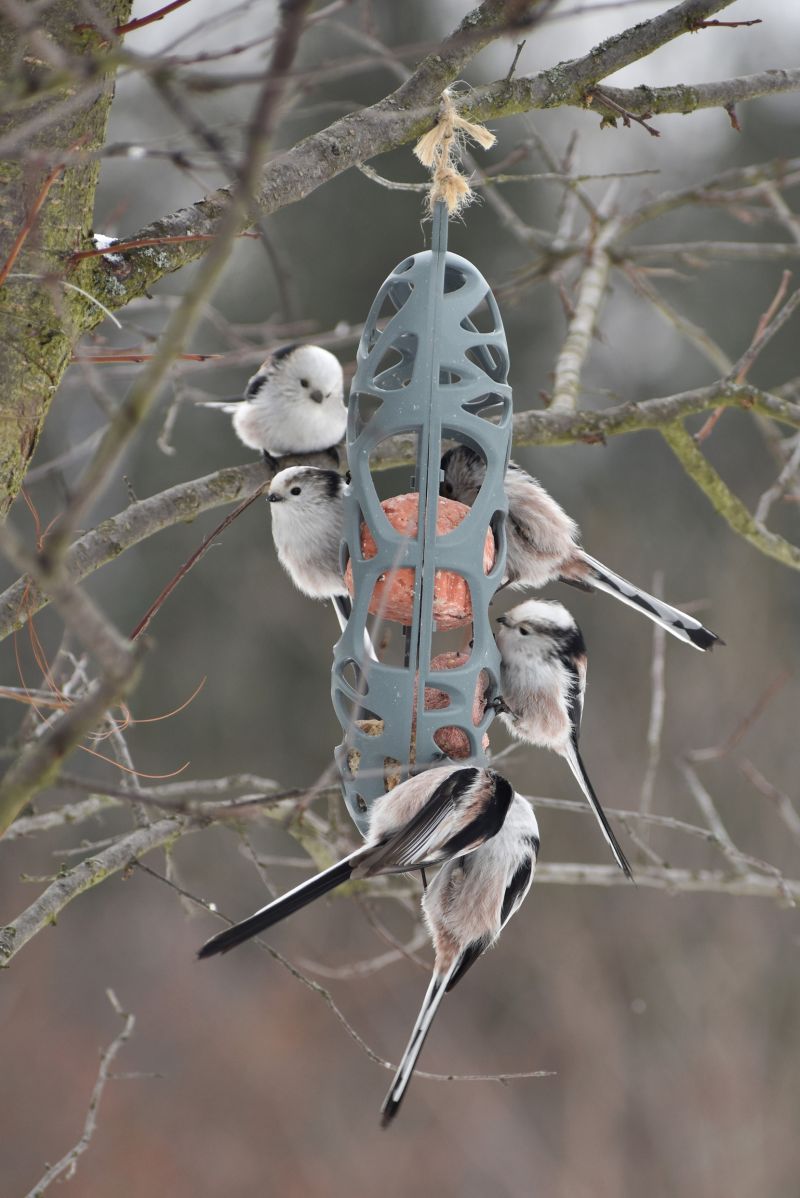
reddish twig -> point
(132, 355)
(194, 559)
(733, 118)
(122, 247)
(627, 116)
(30, 221)
(769, 324)
(150, 19)
(745, 724)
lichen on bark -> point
(39, 317)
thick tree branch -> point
(390, 123)
(39, 322)
(52, 901)
(722, 499)
(182, 503)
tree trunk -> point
(57, 95)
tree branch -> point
(182, 503)
(397, 119)
(722, 499)
(52, 901)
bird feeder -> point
(432, 370)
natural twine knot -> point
(440, 151)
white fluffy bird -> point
(466, 907)
(542, 683)
(543, 545)
(425, 821)
(307, 518)
(294, 403)
(307, 514)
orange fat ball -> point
(393, 595)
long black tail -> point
(430, 1005)
(686, 628)
(274, 912)
(579, 770)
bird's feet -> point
(500, 707)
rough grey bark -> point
(40, 320)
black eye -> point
(448, 488)
(304, 382)
(523, 631)
(296, 490)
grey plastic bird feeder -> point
(432, 364)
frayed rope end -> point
(440, 149)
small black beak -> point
(273, 498)
(317, 396)
(500, 619)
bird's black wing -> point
(415, 844)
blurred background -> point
(669, 1021)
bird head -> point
(304, 374)
(305, 486)
(464, 471)
(539, 628)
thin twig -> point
(716, 752)
(591, 291)
(782, 483)
(655, 726)
(193, 559)
(30, 220)
(769, 324)
(69, 1162)
(724, 502)
(150, 19)
(712, 817)
(141, 243)
(782, 802)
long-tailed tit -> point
(307, 513)
(542, 683)
(466, 907)
(543, 545)
(307, 516)
(292, 404)
(426, 820)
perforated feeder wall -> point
(432, 364)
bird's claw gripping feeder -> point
(426, 371)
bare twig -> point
(769, 324)
(712, 817)
(675, 881)
(181, 503)
(722, 499)
(150, 19)
(193, 559)
(782, 483)
(69, 1162)
(89, 873)
(655, 726)
(782, 802)
(183, 320)
(591, 291)
(600, 99)
(716, 752)
(35, 209)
